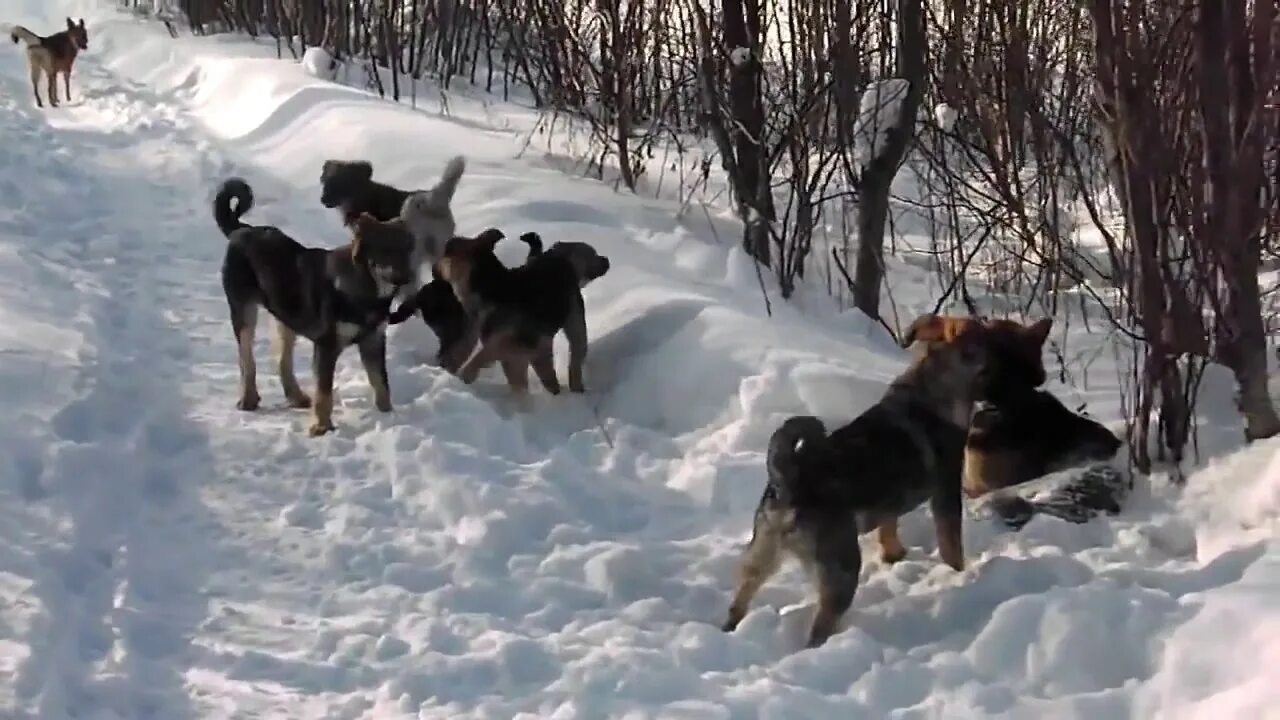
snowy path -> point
(165, 556)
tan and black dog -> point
(52, 56)
(334, 298)
(517, 312)
(824, 491)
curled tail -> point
(227, 217)
(20, 33)
(534, 241)
(799, 436)
(443, 191)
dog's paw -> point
(248, 403)
(301, 401)
(577, 387)
(320, 428)
(383, 404)
(892, 555)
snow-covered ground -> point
(165, 556)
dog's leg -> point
(575, 330)
(947, 509)
(66, 84)
(53, 88)
(891, 549)
(286, 339)
(456, 353)
(544, 367)
(373, 355)
(837, 565)
(758, 564)
(244, 322)
(326, 362)
(35, 82)
(490, 351)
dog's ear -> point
(1038, 331)
(489, 238)
(70, 25)
(925, 328)
(362, 170)
(82, 24)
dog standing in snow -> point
(334, 298)
(825, 490)
(52, 56)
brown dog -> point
(52, 56)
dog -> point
(515, 313)
(428, 214)
(52, 56)
(909, 448)
(1030, 434)
(442, 312)
(334, 298)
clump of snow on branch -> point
(739, 56)
(946, 117)
(878, 113)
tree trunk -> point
(877, 176)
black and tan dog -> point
(52, 56)
(516, 312)
(825, 490)
(442, 312)
(334, 298)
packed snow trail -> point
(165, 556)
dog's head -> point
(385, 249)
(461, 254)
(341, 180)
(587, 263)
(1013, 351)
(955, 352)
(79, 33)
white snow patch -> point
(878, 113)
(319, 63)
(946, 117)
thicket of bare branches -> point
(1116, 157)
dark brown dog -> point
(334, 298)
(52, 56)
(517, 312)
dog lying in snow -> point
(515, 313)
(52, 56)
(334, 298)
(824, 490)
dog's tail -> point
(20, 33)
(799, 436)
(442, 193)
(227, 217)
(534, 241)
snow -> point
(163, 555)
(319, 63)
(946, 117)
(878, 113)
(740, 55)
